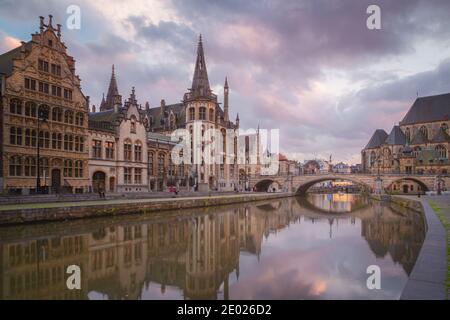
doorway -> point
(98, 181)
(112, 183)
(56, 180)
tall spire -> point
(200, 82)
(225, 100)
(112, 97)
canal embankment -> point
(428, 278)
(61, 211)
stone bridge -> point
(370, 182)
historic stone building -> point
(418, 145)
(43, 117)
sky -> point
(311, 68)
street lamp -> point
(42, 115)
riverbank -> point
(61, 211)
(428, 278)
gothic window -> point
(43, 167)
(68, 117)
(96, 149)
(68, 168)
(408, 135)
(150, 163)
(202, 113)
(30, 109)
(127, 150)
(372, 158)
(161, 160)
(78, 169)
(57, 114)
(137, 151)
(30, 167)
(15, 106)
(442, 151)
(191, 114)
(137, 175)
(15, 166)
(127, 172)
(109, 150)
(30, 138)
(424, 131)
(79, 119)
(56, 140)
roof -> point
(200, 80)
(428, 109)
(419, 138)
(441, 136)
(104, 120)
(160, 121)
(396, 137)
(378, 138)
(162, 138)
(6, 59)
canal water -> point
(316, 247)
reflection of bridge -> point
(300, 184)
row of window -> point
(29, 138)
(440, 149)
(424, 131)
(43, 111)
(201, 114)
(128, 175)
(27, 167)
(97, 150)
(44, 87)
(55, 69)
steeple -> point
(225, 101)
(200, 82)
(112, 97)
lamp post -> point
(42, 115)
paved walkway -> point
(427, 279)
(84, 203)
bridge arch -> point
(263, 185)
(423, 185)
(303, 187)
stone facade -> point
(42, 104)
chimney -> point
(41, 24)
(50, 18)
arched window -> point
(15, 106)
(442, 151)
(43, 167)
(137, 151)
(68, 116)
(444, 127)
(202, 113)
(68, 168)
(68, 142)
(15, 166)
(161, 160)
(56, 140)
(424, 131)
(78, 169)
(79, 119)
(150, 163)
(30, 109)
(373, 158)
(127, 150)
(408, 135)
(30, 167)
(15, 136)
(191, 114)
(57, 114)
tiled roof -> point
(428, 109)
(396, 137)
(378, 138)
(160, 121)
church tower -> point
(113, 98)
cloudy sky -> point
(310, 68)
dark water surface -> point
(318, 247)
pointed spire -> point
(112, 97)
(226, 83)
(200, 82)
(225, 101)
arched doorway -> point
(98, 181)
(112, 184)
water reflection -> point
(315, 248)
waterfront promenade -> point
(59, 211)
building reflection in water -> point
(192, 255)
